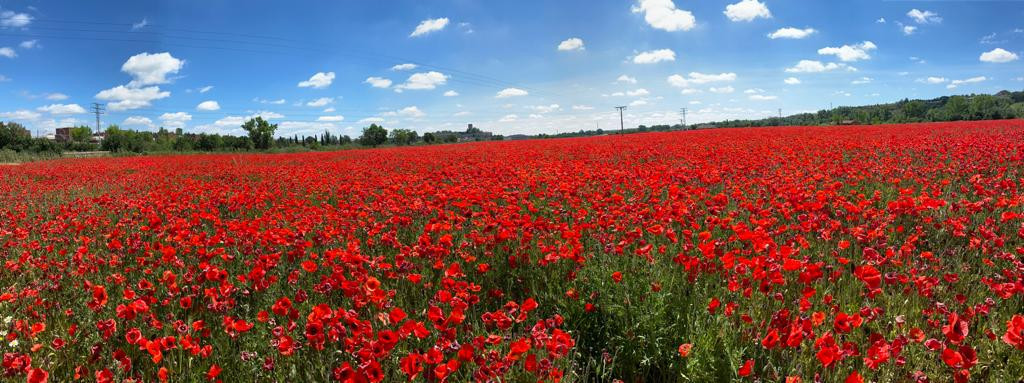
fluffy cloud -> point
(747, 10)
(955, 83)
(511, 92)
(151, 69)
(571, 44)
(924, 17)
(663, 14)
(722, 90)
(21, 114)
(761, 97)
(208, 106)
(56, 96)
(791, 81)
(582, 107)
(140, 24)
(637, 93)
(451, 93)
(638, 103)
(509, 118)
(812, 66)
(11, 19)
(275, 102)
(8, 52)
(319, 80)
(909, 30)
(337, 118)
(626, 79)
(29, 44)
(655, 56)
(696, 78)
(998, 55)
(138, 121)
(791, 33)
(62, 109)
(127, 98)
(406, 66)
(378, 82)
(545, 108)
(175, 120)
(423, 81)
(933, 80)
(850, 53)
(429, 26)
(322, 101)
(411, 111)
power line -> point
(622, 126)
(98, 109)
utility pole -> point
(684, 117)
(97, 108)
(780, 113)
(622, 126)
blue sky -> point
(506, 66)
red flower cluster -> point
(857, 254)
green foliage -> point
(261, 132)
(403, 137)
(373, 135)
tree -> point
(404, 136)
(261, 132)
(429, 137)
(81, 134)
(14, 136)
(373, 135)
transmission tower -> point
(98, 109)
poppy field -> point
(888, 253)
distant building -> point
(63, 134)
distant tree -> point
(373, 135)
(345, 140)
(403, 136)
(14, 136)
(261, 132)
(956, 108)
(429, 137)
(472, 130)
(81, 134)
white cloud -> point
(322, 101)
(722, 90)
(812, 66)
(689, 91)
(545, 108)
(138, 121)
(140, 24)
(955, 83)
(791, 81)
(56, 96)
(329, 110)
(881, 20)
(337, 118)
(998, 55)
(582, 107)
(451, 93)
(378, 82)
(127, 98)
(423, 81)
(696, 78)
(791, 33)
(933, 80)
(626, 79)
(663, 14)
(761, 97)
(655, 56)
(208, 106)
(275, 102)
(509, 118)
(406, 66)
(850, 53)
(206, 89)
(175, 120)
(429, 26)
(150, 69)
(11, 19)
(638, 92)
(319, 80)
(411, 111)
(370, 120)
(638, 103)
(862, 80)
(924, 17)
(909, 30)
(21, 114)
(62, 109)
(29, 44)
(571, 44)
(8, 52)
(747, 10)
(511, 92)
(753, 91)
